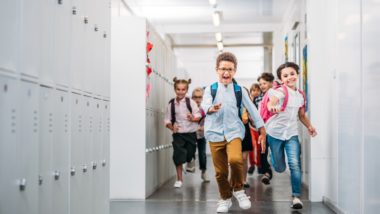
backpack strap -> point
(188, 105)
(172, 111)
(304, 100)
(238, 94)
(172, 108)
(286, 99)
(239, 97)
(214, 89)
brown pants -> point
(222, 154)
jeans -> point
(201, 143)
(293, 150)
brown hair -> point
(253, 86)
(181, 81)
(266, 76)
(287, 65)
(226, 56)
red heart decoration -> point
(148, 70)
(149, 46)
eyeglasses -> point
(197, 97)
(230, 70)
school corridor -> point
(87, 121)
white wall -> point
(343, 83)
(127, 108)
(141, 150)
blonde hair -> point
(199, 89)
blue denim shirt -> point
(226, 124)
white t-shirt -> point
(284, 125)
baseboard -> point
(329, 203)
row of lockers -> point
(159, 164)
(60, 42)
(54, 150)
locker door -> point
(96, 158)
(106, 157)
(60, 161)
(87, 154)
(28, 147)
(76, 151)
(62, 28)
(9, 132)
(47, 45)
(10, 13)
(31, 38)
(89, 45)
(77, 44)
(47, 129)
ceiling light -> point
(216, 18)
(212, 2)
(220, 46)
(218, 37)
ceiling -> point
(189, 26)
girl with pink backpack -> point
(281, 108)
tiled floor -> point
(198, 197)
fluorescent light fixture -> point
(218, 36)
(216, 18)
(220, 46)
(212, 2)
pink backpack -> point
(265, 113)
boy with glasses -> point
(224, 130)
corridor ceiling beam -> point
(225, 28)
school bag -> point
(238, 95)
(264, 111)
(172, 108)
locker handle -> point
(22, 184)
(104, 163)
(59, 1)
(85, 168)
(86, 20)
(40, 180)
(94, 165)
(56, 175)
(74, 11)
(72, 171)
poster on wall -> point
(286, 49)
(304, 76)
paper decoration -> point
(148, 60)
(149, 47)
(148, 70)
(148, 90)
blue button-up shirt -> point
(226, 124)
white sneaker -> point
(190, 166)
(224, 205)
(296, 203)
(204, 177)
(178, 184)
(243, 199)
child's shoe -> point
(296, 203)
(243, 199)
(204, 177)
(178, 184)
(224, 205)
(265, 180)
(251, 170)
(190, 166)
